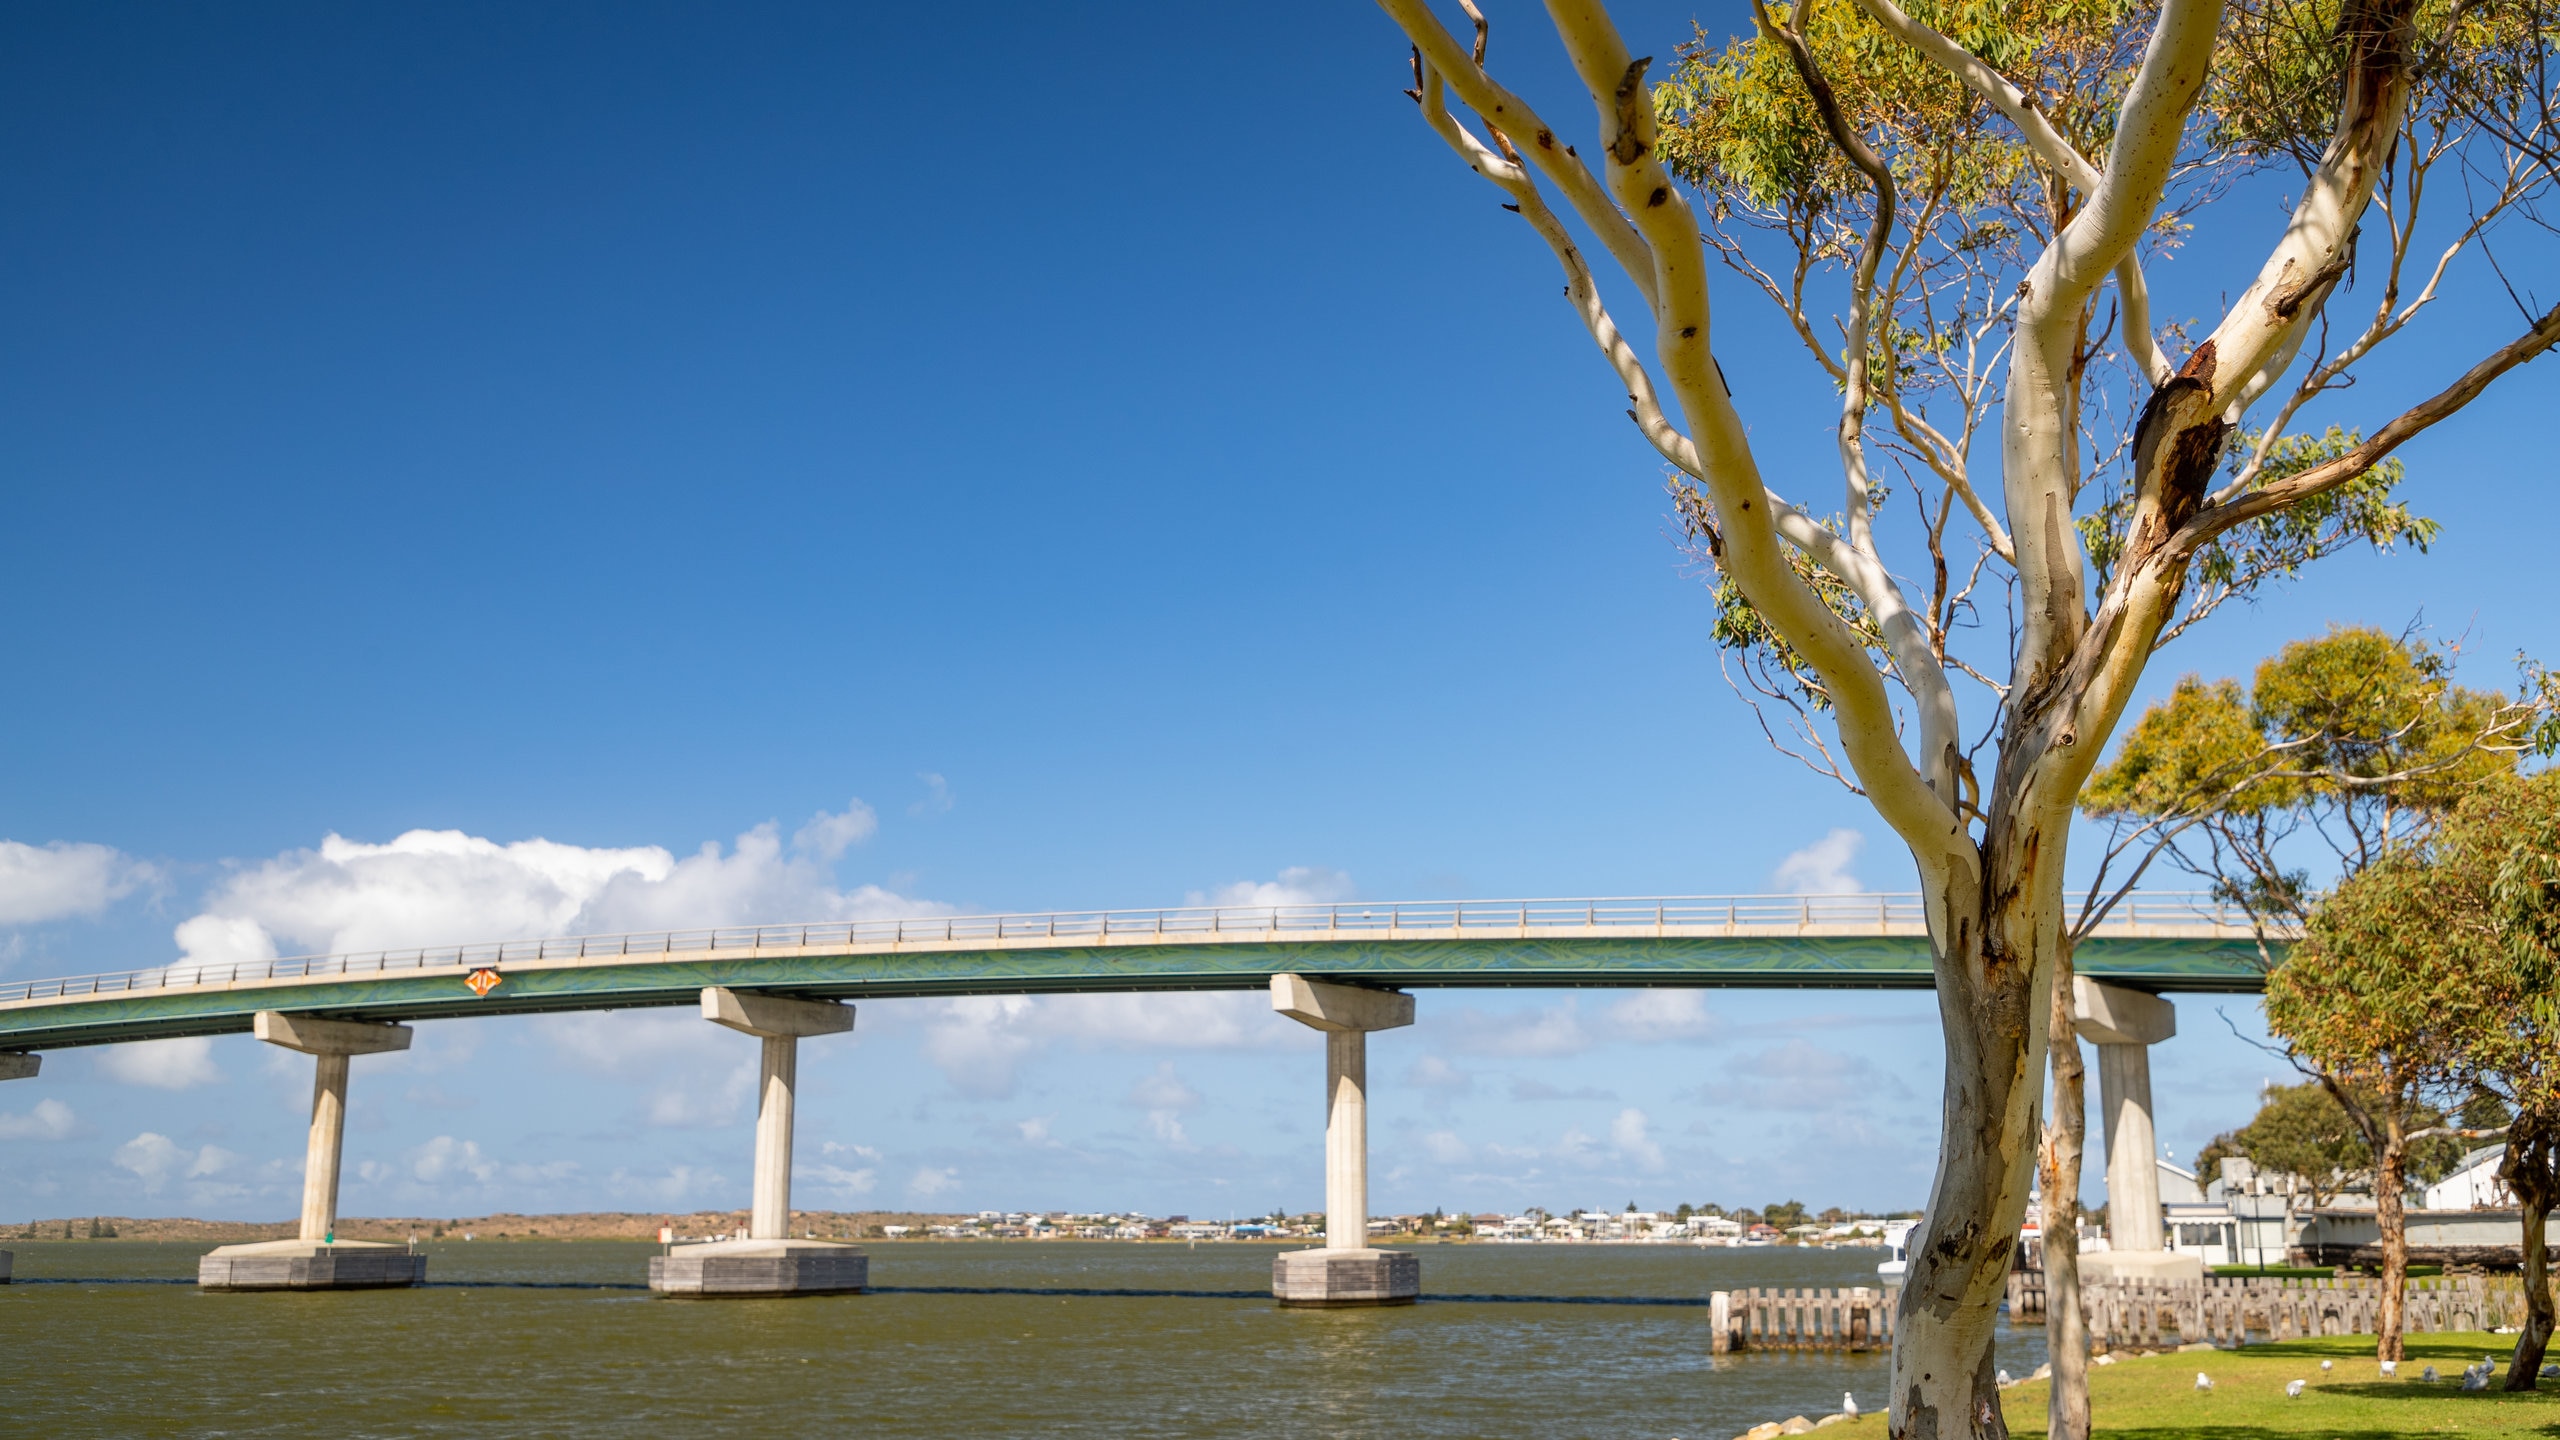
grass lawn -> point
(2154, 1397)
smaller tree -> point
(2354, 742)
(2380, 1000)
(2299, 1131)
(2501, 881)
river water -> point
(993, 1339)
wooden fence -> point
(2148, 1314)
(1802, 1319)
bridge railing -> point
(1621, 915)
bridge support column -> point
(15, 1065)
(768, 1261)
(317, 1259)
(1346, 1271)
(2124, 1025)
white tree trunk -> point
(1994, 972)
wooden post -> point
(1720, 1322)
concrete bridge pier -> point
(2124, 1025)
(317, 1259)
(768, 1261)
(1346, 1272)
(15, 1066)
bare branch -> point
(2214, 520)
(1922, 673)
(1918, 806)
(1511, 115)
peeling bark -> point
(2066, 1323)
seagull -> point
(2293, 1389)
(2203, 1381)
(2389, 1368)
(2325, 1364)
(2002, 1378)
(1848, 1404)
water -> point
(558, 1339)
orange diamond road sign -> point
(482, 981)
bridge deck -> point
(2154, 942)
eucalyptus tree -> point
(2356, 739)
(2387, 1000)
(1977, 189)
(2500, 880)
(2343, 746)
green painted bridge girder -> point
(2221, 965)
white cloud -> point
(1549, 1031)
(977, 1040)
(49, 1120)
(675, 1189)
(445, 1158)
(1297, 885)
(1529, 1087)
(1445, 1147)
(980, 1041)
(931, 1181)
(1164, 1090)
(180, 1064)
(1822, 868)
(1164, 1097)
(937, 797)
(441, 887)
(1800, 1075)
(829, 836)
(65, 878)
(1035, 1131)
(156, 1160)
(833, 1148)
(695, 1075)
(1663, 1015)
(1574, 1147)
(836, 1180)
(1630, 1136)
(1433, 1073)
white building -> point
(2474, 1184)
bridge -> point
(2155, 942)
(1344, 970)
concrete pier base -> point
(748, 1268)
(2160, 1266)
(310, 1265)
(1338, 1279)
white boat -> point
(1897, 1244)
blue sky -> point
(990, 458)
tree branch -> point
(1905, 637)
(1919, 806)
(2216, 519)
(1511, 115)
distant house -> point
(2474, 1184)
(2178, 1186)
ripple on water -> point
(964, 1338)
